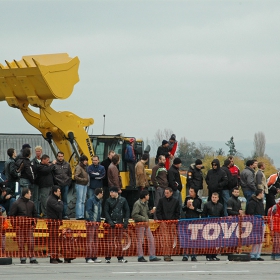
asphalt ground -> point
(177, 269)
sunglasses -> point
(214, 164)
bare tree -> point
(205, 150)
(162, 135)
(259, 144)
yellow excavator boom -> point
(35, 81)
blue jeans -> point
(24, 183)
(81, 193)
(64, 195)
(8, 205)
(248, 194)
(226, 197)
(90, 192)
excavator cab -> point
(102, 144)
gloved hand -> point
(125, 225)
(112, 225)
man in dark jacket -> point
(256, 207)
(45, 182)
(34, 187)
(168, 209)
(12, 176)
(234, 204)
(116, 213)
(63, 178)
(213, 209)
(174, 180)
(23, 165)
(24, 223)
(216, 179)
(54, 211)
(93, 208)
(7, 197)
(227, 188)
(159, 179)
(247, 180)
(163, 150)
(96, 174)
(195, 177)
(192, 207)
(106, 193)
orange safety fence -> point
(28, 237)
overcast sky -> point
(208, 70)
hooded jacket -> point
(174, 178)
(164, 151)
(216, 179)
(194, 178)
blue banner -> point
(220, 232)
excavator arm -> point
(37, 80)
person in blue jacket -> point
(96, 174)
(93, 208)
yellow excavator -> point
(35, 81)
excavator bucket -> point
(37, 78)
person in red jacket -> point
(235, 172)
(274, 224)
